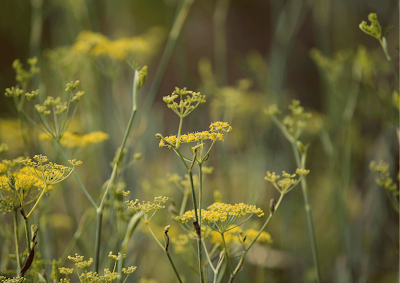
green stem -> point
(388, 57)
(118, 160)
(173, 266)
(89, 197)
(241, 261)
(179, 131)
(16, 241)
(199, 250)
(37, 202)
(154, 236)
(83, 224)
(220, 14)
(301, 164)
(169, 48)
(226, 254)
(183, 205)
(28, 238)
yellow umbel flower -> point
(188, 101)
(147, 207)
(49, 173)
(130, 269)
(66, 271)
(116, 257)
(220, 216)
(287, 183)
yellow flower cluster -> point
(66, 271)
(12, 280)
(55, 103)
(287, 183)
(130, 269)
(70, 140)
(185, 105)
(383, 179)
(50, 173)
(110, 276)
(17, 186)
(221, 213)
(374, 29)
(190, 137)
(332, 67)
(220, 126)
(79, 262)
(147, 207)
(92, 44)
(116, 257)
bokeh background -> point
(244, 56)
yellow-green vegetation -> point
(140, 143)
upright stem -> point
(183, 205)
(16, 241)
(226, 254)
(169, 48)
(241, 261)
(37, 202)
(28, 238)
(220, 14)
(89, 197)
(173, 266)
(179, 131)
(199, 251)
(97, 240)
(118, 160)
(307, 206)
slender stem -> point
(154, 236)
(208, 256)
(89, 197)
(99, 209)
(183, 205)
(83, 224)
(173, 266)
(220, 14)
(199, 250)
(28, 238)
(97, 240)
(307, 206)
(200, 193)
(388, 57)
(226, 254)
(37, 202)
(179, 130)
(241, 261)
(16, 241)
(169, 48)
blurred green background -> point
(244, 56)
